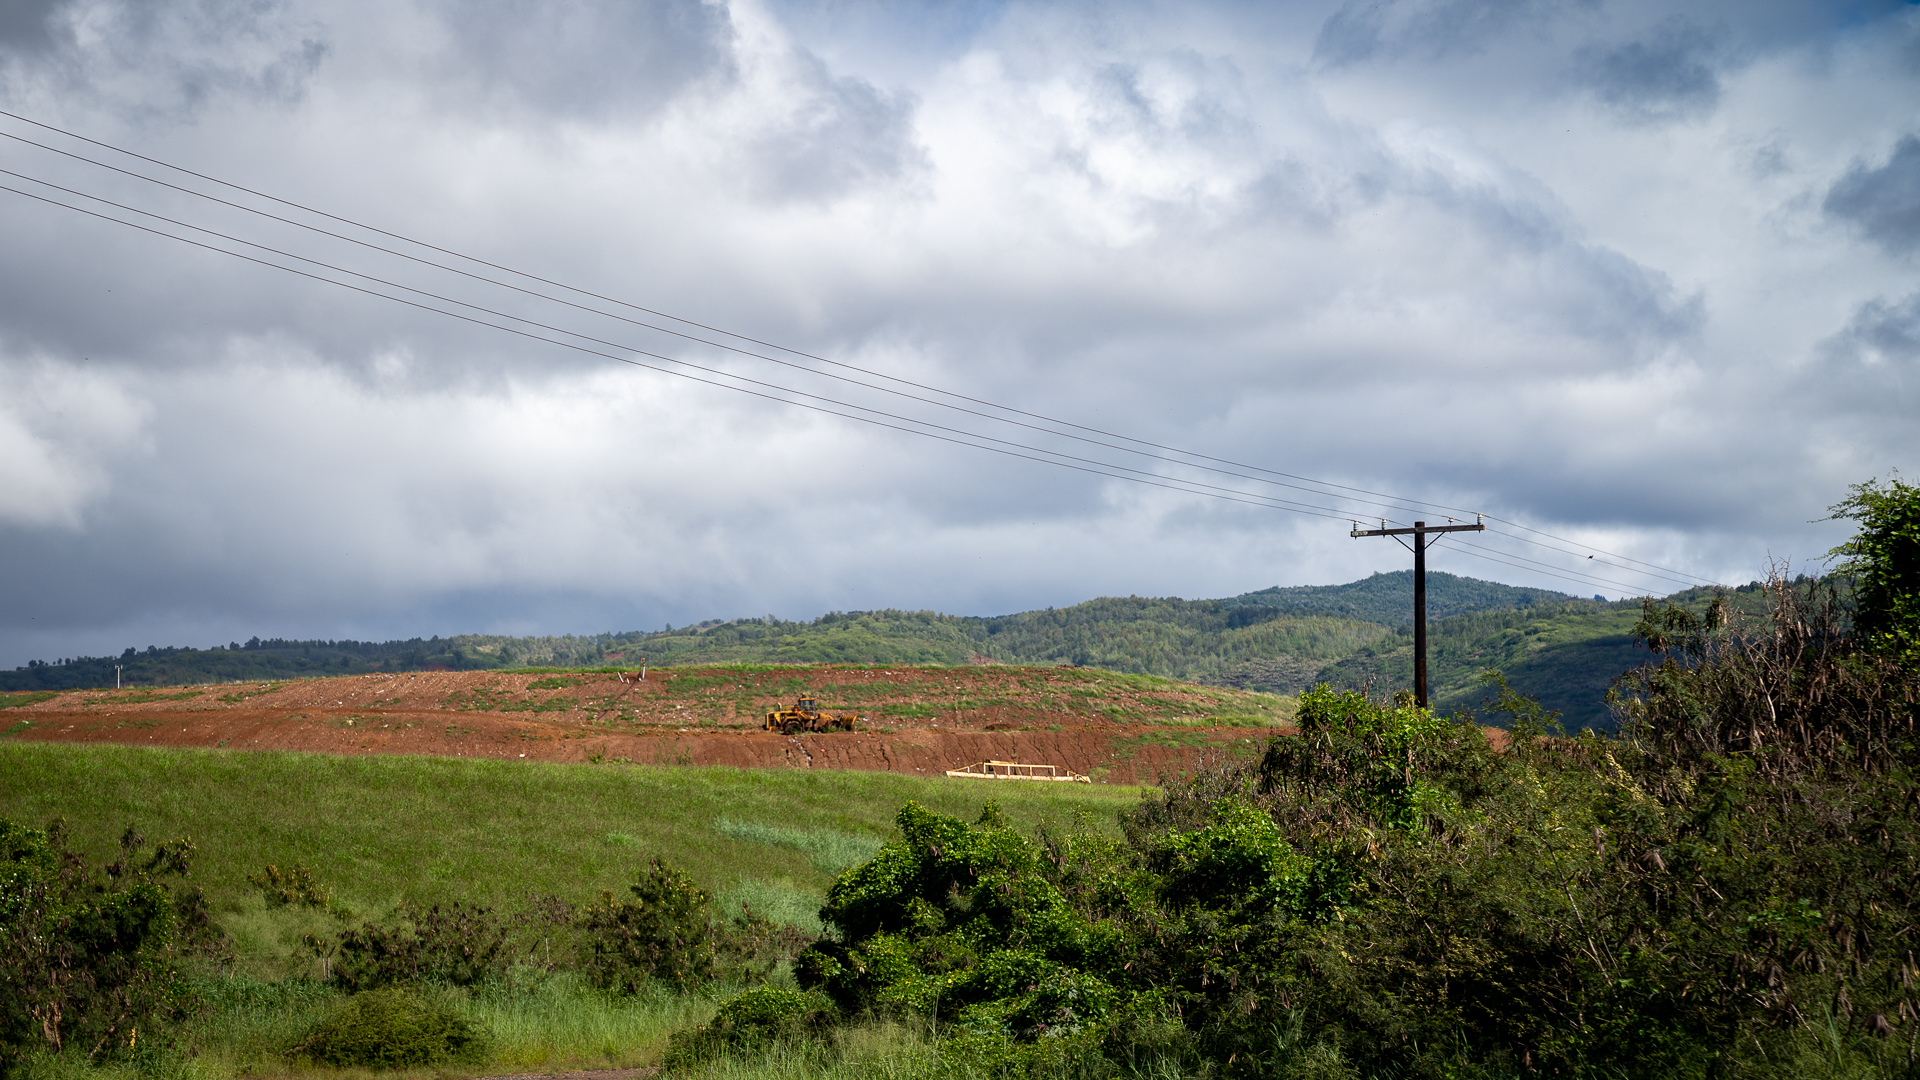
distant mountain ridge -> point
(1387, 598)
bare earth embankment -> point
(1119, 729)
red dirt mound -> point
(921, 721)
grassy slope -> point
(383, 827)
(379, 829)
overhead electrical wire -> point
(1065, 461)
(677, 333)
(1099, 468)
(1395, 504)
(1327, 511)
(1589, 558)
(1053, 457)
(1597, 551)
(614, 300)
(964, 437)
(1477, 551)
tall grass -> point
(245, 1025)
(560, 1022)
(533, 1022)
(829, 850)
(380, 830)
(782, 901)
(882, 1050)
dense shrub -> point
(1883, 562)
(390, 1029)
(455, 945)
(663, 933)
(292, 887)
(88, 955)
(752, 1020)
(952, 917)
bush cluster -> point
(455, 945)
(753, 1020)
(1725, 888)
(88, 955)
(394, 1028)
(662, 932)
(292, 887)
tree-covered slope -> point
(1388, 598)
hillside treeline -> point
(279, 658)
(1565, 655)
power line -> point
(1537, 562)
(1394, 502)
(636, 307)
(1538, 567)
(1696, 579)
(1392, 505)
(1094, 467)
(1193, 484)
(1099, 468)
(956, 436)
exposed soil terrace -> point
(918, 720)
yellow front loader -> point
(806, 716)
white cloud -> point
(62, 430)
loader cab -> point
(808, 704)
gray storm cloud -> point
(1669, 74)
(1641, 281)
(1883, 202)
(576, 60)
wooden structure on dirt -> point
(1013, 770)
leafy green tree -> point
(1883, 558)
(662, 933)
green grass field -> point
(378, 830)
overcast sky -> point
(1642, 276)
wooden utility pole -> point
(1420, 531)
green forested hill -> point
(1566, 655)
(1560, 648)
(1388, 598)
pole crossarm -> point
(1418, 528)
(1420, 531)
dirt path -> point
(588, 1074)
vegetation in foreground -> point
(475, 886)
(1727, 889)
